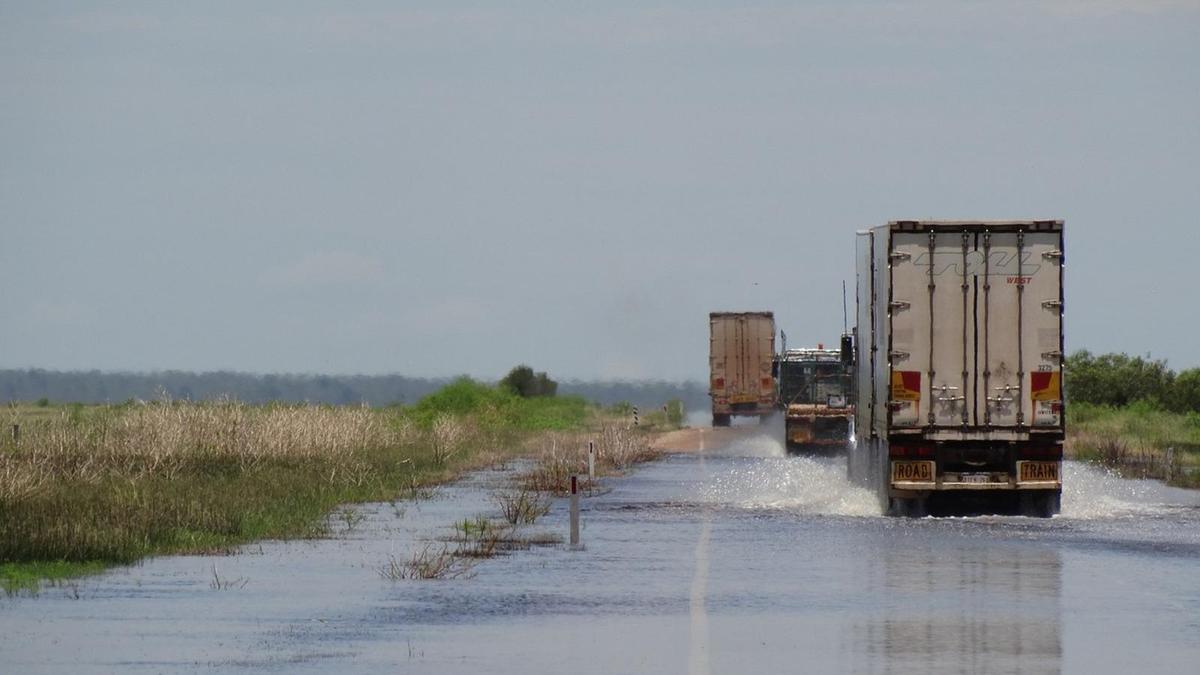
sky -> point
(440, 188)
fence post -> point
(574, 511)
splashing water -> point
(1093, 492)
(803, 484)
(760, 475)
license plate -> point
(912, 471)
(1036, 471)
(744, 398)
(975, 478)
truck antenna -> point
(845, 325)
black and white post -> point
(574, 511)
(591, 461)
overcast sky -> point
(439, 188)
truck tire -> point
(720, 420)
(1041, 504)
(907, 508)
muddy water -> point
(730, 560)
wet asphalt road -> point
(735, 559)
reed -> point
(112, 484)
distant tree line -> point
(1119, 380)
(95, 386)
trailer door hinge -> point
(1052, 304)
(947, 388)
(899, 304)
(1053, 254)
(1052, 356)
(899, 255)
(895, 354)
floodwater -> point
(729, 560)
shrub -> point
(525, 383)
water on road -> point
(733, 559)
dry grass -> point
(112, 484)
(558, 456)
(1135, 458)
(430, 562)
(521, 506)
(118, 483)
(166, 440)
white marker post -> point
(574, 511)
(591, 461)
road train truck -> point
(741, 354)
(814, 392)
(959, 353)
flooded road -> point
(732, 559)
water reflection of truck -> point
(814, 392)
(741, 351)
(959, 365)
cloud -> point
(327, 268)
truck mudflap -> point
(922, 476)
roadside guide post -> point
(574, 511)
(635, 416)
(591, 461)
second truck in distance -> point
(814, 392)
(741, 354)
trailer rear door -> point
(742, 350)
(976, 326)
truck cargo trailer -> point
(741, 356)
(959, 357)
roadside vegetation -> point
(1135, 416)
(83, 487)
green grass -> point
(81, 526)
(500, 409)
(29, 576)
(89, 487)
(1135, 439)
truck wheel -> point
(907, 508)
(1041, 504)
(1048, 504)
(720, 420)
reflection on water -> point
(972, 608)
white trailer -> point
(959, 351)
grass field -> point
(1137, 440)
(91, 486)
